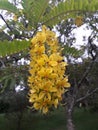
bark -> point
(69, 114)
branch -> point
(2, 64)
(65, 13)
(85, 74)
(90, 65)
(5, 22)
(87, 95)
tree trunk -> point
(69, 114)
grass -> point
(84, 120)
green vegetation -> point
(84, 120)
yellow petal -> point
(41, 61)
(32, 91)
(41, 37)
(36, 106)
(55, 103)
(63, 64)
(45, 110)
(45, 57)
(41, 72)
(49, 70)
(53, 63)
(34, 41)
(49, 96)
(53, 89)
(53, 76)
(41, 95)
(67, 85)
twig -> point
(85, 74)
(5, 22)
(86, 95)
(91, 63)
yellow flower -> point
(56, 57)
(63, 83)
(39, 50)
(55, 102)
(43, 105)
(41, 37)
(48, 88)
(43, 59)
(53, 63)
(41, 62)
(54, 76)
(45, 72)
(32, 97)
(33, 41)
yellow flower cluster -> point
(47, 80)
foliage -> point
(37, 10)
(6, 5)
(64, 11)
(12, 76)
(55, 120)
(72, 51)
(12, 47)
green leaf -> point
(66, 9)
(15, 46)
(6, 82)
(34, 10)
(72, 51)
(5, 5)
